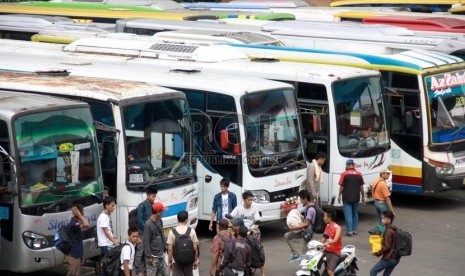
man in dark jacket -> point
(389, 260)
(237, 254)
(74, 227)
(155, 242)
(350, 191)
(144, 211)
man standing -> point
(106, 241)
(74, 227)
(223, 203)
(128, 252)
(237, 254)
(350, 190)
(389, 260)
(332, 240)
(155, 243)
(381, 194)
(315, 177)
(217, 248)
(306, 233)
(181, 229)
(144, 211)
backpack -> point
(319, 225)
(111, 261)
(132, 217)
(183, 250)
(257, 252)
(403, 243)
(62, 240)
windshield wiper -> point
(59, 201)
(274, 165)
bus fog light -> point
(261, 196)
(35, 241)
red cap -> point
(158, 206)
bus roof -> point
(13, 103)
(55, 81)
(437, 24)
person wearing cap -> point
(155, 243)
(381, 194)
(236, 223)
(217, 248)
(223, 203)
(350, 191)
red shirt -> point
(330, 230)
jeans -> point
(182, 270)
(103, 250)
(350, 216)
(386, 265)
(290, 236)
(158, 268)
(380, 206)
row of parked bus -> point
(209, 100)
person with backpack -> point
(390, 259)
(237, 255)
(381, 194)
(223, 203)
(137, 218)
(350, 190)
(105, 238)
(155, 243)
(217, 248)
(128, 252)
(75, 258)
(183, 245)
(315, 177)
(305, 228)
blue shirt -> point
(144, 211)
(218, 204)
(75, 236)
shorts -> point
(331, 260)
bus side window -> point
(5, 169)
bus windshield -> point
(446, 93)
(272, 131)
(360, 117)
(158, 141)
(58, 157)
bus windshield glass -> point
(158, 141)
(272, 131)
(446, 93)
(360, 117)
(58, 157)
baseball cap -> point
(350, 162)
(386, 171)
(223, 223)
(237, 222)
(158, 206)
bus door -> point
(6, 192)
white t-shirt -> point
(104, 221)
(224, 205)
(249, 215)
(128, 253)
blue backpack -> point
(62, 240)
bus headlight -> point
(192, 203)
(441, 167)
(261, 196)
(35, 241)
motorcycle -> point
(311, 263)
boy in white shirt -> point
(129, 251)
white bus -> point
(223, 121)
(49, 161)
(322, 91)
(424, 104)
(151, 123)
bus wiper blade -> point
(59, 201)
(274, 165)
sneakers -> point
(293, 258)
